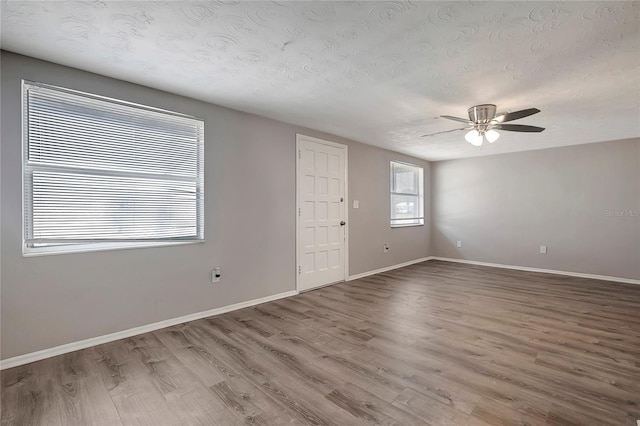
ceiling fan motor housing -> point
(482, 113)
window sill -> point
(87, 248)
(408, 225)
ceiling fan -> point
(483, 123)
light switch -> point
(543, 249)
(356, 204)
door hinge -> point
(299, 270)
(299, 153)
(299, 211)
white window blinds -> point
(97, 170)
(407, 197)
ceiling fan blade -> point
(517, 128)
(446, 131)
(516, 115)
(461, 120)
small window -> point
(101, 173)
(407, 197)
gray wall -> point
(51, 300)
(370, 228)
(575, 200)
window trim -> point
(95, 247)
(88, 245)
(419, 221)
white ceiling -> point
(376, 72)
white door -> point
(321, 196)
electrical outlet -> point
(216, 275)
(459, 244)
(386, 248)
(543, 249)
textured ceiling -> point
(376, 72)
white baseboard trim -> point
(388, 268)
(544, 271)
(94, 341)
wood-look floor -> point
(434, 343)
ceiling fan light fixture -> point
(483, 123)
(473, 137)
(491, 135)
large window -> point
(100, 173)
(407, 198)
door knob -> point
(343, 223)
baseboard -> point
(388, 268)
(544, 271)
(94, 341)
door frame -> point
(345, 148)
